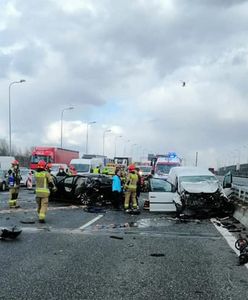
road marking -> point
(8, 211)
(90, 222)
(230, 239)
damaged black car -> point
(91, 189)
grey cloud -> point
(4, 65)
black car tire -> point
(84, 199)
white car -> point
(188, 189)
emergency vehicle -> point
(163, 163)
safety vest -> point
(42, 189)
(131, 182)
(96, 171)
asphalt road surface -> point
(113, 255)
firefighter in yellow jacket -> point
(44, 182)
(14, 177)
(130, 187)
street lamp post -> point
(132, 150)
(119, 136)
(13, 82)
(124, 147)
(87, 134)
(61, 124)
(103, 139)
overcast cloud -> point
(121, 63)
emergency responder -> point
(117, 189)
(96, 170)
(43, 183)
(61, 171)
(138, 190)
(49, 168)
(130, 187)
(14, 177)
(72, 170)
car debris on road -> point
(10, 233)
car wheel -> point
(84, 199)
(4, 187)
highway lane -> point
(112, 255)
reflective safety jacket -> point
(43, 179)
(14, 177)
(96, 170)
(131, 182)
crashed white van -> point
(188, 189)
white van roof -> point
(187, 171)
(80, 161)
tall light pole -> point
(87, 135)
(61, 124)
(124, 147)
(118, 136)
(132, 150)
(103, 139)
(13, 82)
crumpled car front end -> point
(204, 198)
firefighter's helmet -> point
(131, 168)
(41, 164)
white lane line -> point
(90, 222)
(230, 239)
(52, 208)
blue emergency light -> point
(172, 154)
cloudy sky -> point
(121, 63)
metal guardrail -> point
(240, 192)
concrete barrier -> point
(240, 196)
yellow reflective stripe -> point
(131, 186)
(42, 190)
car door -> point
(161, 196)
(227, 184)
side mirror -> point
(152, 172)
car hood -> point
(200, 187)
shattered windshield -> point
(197, 178)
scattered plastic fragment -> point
(116, 237)
(157, 255)
(28, 221)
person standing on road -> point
(44, 181)
(14, 177)
(96, 170)
(61, 172)
(116, 189)
(138, 190)
(131, 187)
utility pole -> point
(196, 159)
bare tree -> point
(4, 148)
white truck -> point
(5, 162)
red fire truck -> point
(52, 155)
